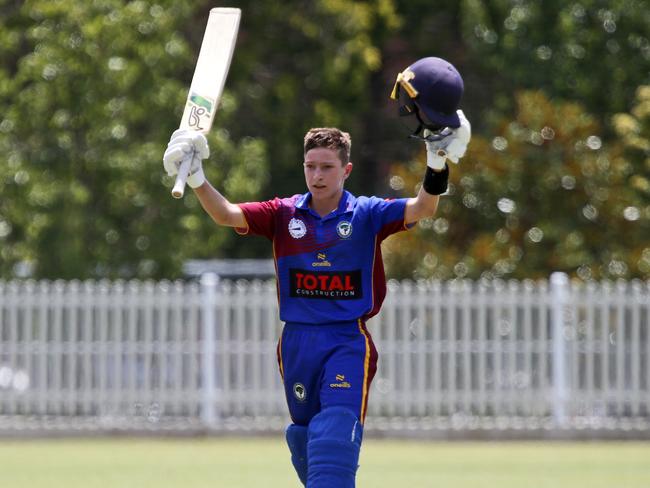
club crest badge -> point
(299, 392)
(344, 229)
(297, 228)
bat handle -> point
(181, 177)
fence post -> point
(559, 301)
(209, 283)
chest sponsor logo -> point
(335, 285)
(321, 261)
(344, 229)
(297, 228)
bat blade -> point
(209, 79)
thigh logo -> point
(299, 392)
(335, 285)
(340, 382)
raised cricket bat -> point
(208, 80)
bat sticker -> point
(200, 112)
(202, 101)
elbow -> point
(421, 212)
(421, 207)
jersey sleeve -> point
(387, 216)
(260, 217)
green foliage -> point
(306, 64)
(592, 50)
(543, 194)
(568, 205)
(633, 129)
(91, 91)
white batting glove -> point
(451, 145)
(187, 143)
(436, 153)
(461, 137)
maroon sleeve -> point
(260, 217)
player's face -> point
(325, 173)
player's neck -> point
(324, 206)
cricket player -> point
(330, 276)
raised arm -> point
(218, 207)
(422, 206)
(451, 146)
(184, 143)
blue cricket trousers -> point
(325, 366)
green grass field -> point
(264, 463)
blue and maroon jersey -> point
(329, 269)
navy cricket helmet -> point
(430, 89)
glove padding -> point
(452, 145)
(187, 143)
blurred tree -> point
(634, 131)
(91, 91)
(82, 172)
(543, 194)
(308, 64)
(594, 51)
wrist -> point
(435, 181)
(196, 179)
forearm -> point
(218, 207)
(426, 203)
(421, 207)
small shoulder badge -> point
(344, 229)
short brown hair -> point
(330, 138)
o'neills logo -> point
(337, 285)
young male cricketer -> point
(330, 275)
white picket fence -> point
(454, 356)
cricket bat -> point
(208, 80)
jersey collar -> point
(346, 204)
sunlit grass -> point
(264, 462)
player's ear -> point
(348, 169)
